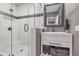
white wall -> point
(24, 9)
(72, 13)
(6, 6)
(39, 8)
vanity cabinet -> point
(56, 44)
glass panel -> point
(31, 25)
(5, 35)
(21, 32)
(20, 37)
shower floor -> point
(17, 51)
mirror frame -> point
(62, 16)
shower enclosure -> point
(15, 39)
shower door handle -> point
(25, 27)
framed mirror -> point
(53, 14)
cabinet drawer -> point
(56, 38)
(60, 44)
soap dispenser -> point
(67, 25)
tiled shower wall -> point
(6, 6)
(31, 9)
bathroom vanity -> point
(56, 44)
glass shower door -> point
(15, 34)
(5, 35)
(21, 29)
(20, 37)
